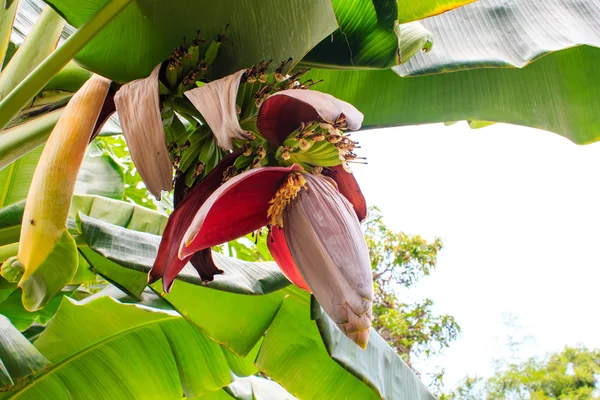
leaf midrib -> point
(50, 370)
(9, 183)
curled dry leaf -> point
(216, 101)
(138, 107)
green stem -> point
(22, 139)
(8, 251)
(36, 80)
(38, 45)
(7, 17)
(47, 104)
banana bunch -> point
(194, 154)
(257, 84)
(317, 144)
(185, 67)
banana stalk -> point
(47, 252)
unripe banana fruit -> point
(47, 251)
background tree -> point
(399, 261)
(572, 374)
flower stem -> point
(36, 80)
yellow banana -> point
(47, 252)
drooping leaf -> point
(137, 251)
(505, 33)
(123, 351)
(292, 352)
(148, 31)
(19, 359)
(556, 93)
(378, 366)
(293, 340)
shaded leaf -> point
(365, 37)
(104, 349)
(379, 366)
(15, 179)
(293, 340)
(12, 308)
(148, 31)
(18, 358)
(100, 175)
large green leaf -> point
(506, 33)
(137, 251)
(292, 351)
(250, 314)
(556, 93)
(379, 366)
(368, 34)
(111, 350)
(146, 32)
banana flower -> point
(313, 218)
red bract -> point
(235, 209)
(320, 246)
(284, 111)
(349, 188)
(167, 264)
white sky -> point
(518, 210)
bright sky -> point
(518, 210)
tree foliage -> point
(399, 261)
(572, 374)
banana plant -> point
(249, 130)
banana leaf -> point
(293, 346)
